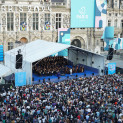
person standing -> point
(70, 71)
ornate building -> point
(28, 20)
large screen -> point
(82, 13)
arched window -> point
(24, 40)
(122, 24)
(109, 22)
(115, 23)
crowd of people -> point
(53, 65)
(96, 99)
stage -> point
(86, 73)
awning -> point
(4, 70)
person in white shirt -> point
(71, 71)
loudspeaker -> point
(83, 59)
(110, 54)
(84, 74)
(33, 79)
(39, 80)
(19, 59)
(92, 62)
(76, 58)
(102, 71)
(92, 74)
(76, 75)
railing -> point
(57, 4)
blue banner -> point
(111, 68)
(116, 43)
(109, 32)
(1, 53)
(83, 13)
(23, 26)
(20, 78)
(100, 13)
(64, 38)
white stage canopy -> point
(4, 70)
(39, 49)
(32, 52)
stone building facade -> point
(35, 13)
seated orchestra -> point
(53, 65)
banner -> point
(1, 53)
(109, 32)
(100, 13)
(64, 35)
(82, 13)
(20, 78)
(64, 38)
(23, 26)
(111, 68)
(116, 43)
(47, 26)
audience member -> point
(96, 99)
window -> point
(102, 48)
(10, 45)
(109, 14)
(35, 21)
(97, 42)
(109, 22)
(115, 3)
(122, 24)
(116, 14)
(22, 20)
(46, 0)
(47, 21)
(115, 23)
(10, 22)
(58, 20)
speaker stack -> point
(19, 59)
(110, 54)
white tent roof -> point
(37, 50)
(4, 70)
